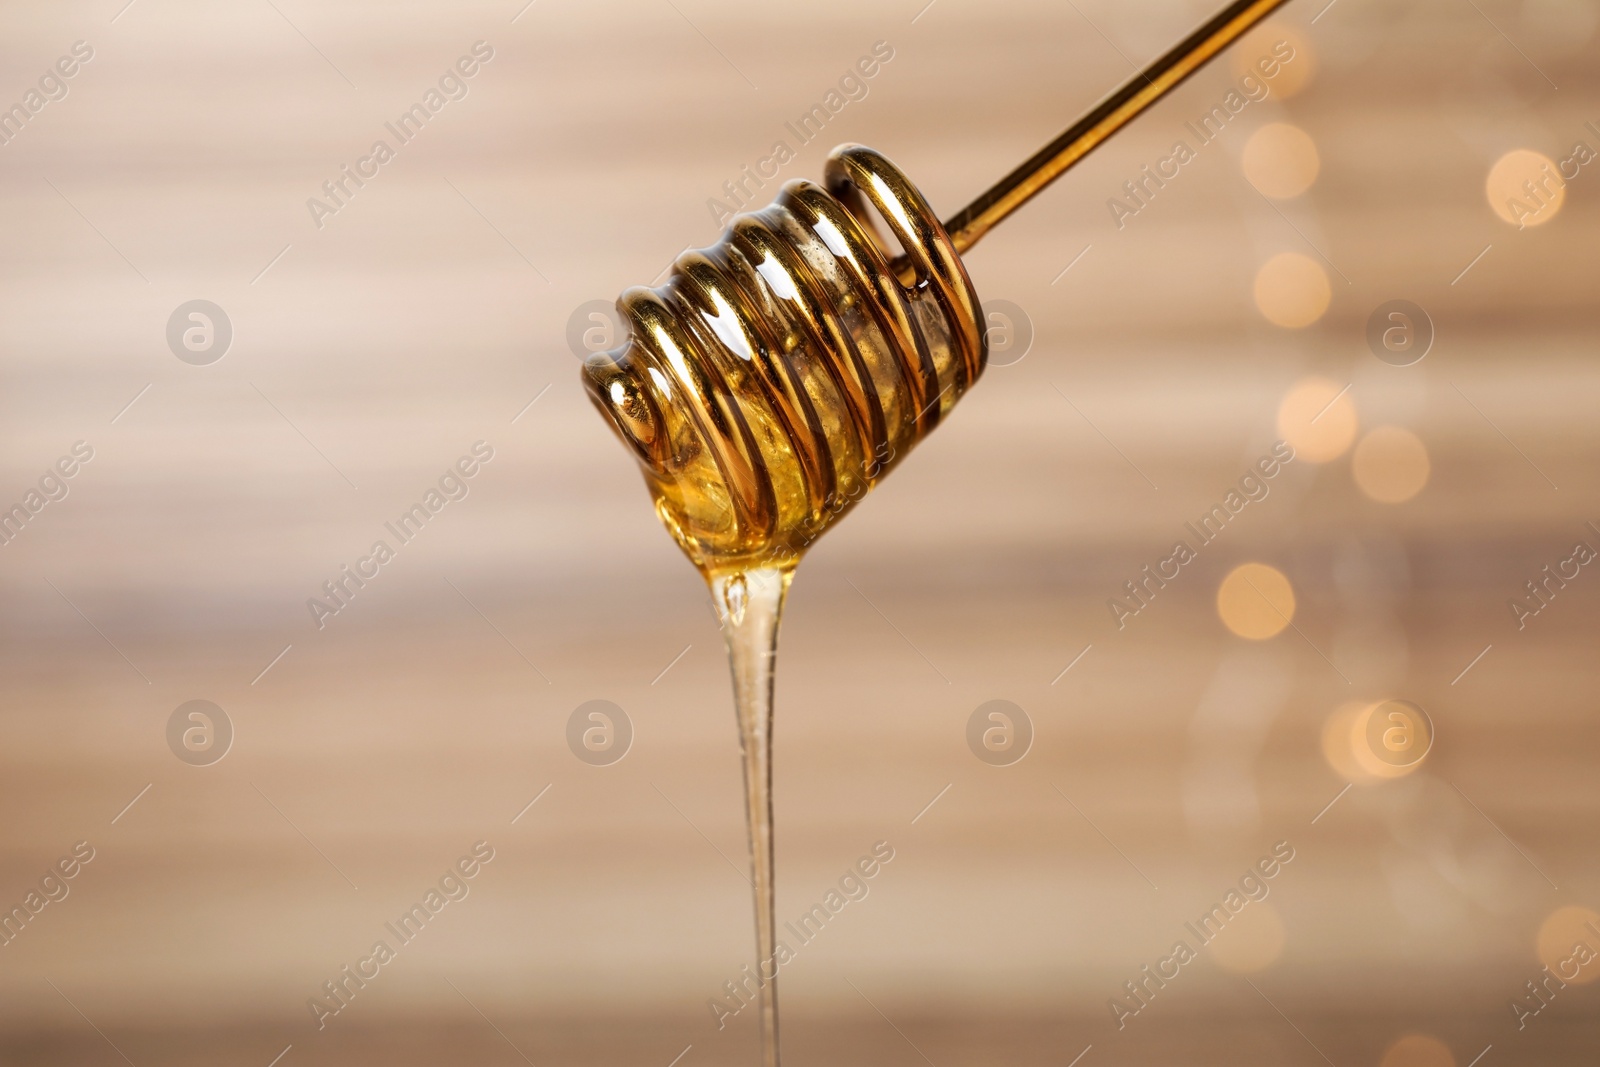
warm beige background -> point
(407, 328)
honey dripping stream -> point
(764, 389)
(751, 606)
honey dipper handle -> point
(1110, 115)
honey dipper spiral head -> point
(779, 374)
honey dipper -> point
(778, 375)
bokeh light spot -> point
(1255, 601)
(1251, 942)
(1525, 189)
(1318, 419)
(1418, 1050)
(1281, 160)
(1277, 57)
(1292, 290)
(1565, 930)
(1348, 743)
(1391, 465)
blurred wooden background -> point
(368, 354)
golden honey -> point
(778, 375)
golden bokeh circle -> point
(1563, 931)
(1276, 57)
(1292, 290)
(1391, 465)
(1318, 419)
(1251, 942)
(1353, 740)
(1396, 733)
(1280, 160)
(1339, 742)
(1255, 601)
(1418, 1050)
(1524, 188)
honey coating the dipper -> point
(778, 375)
